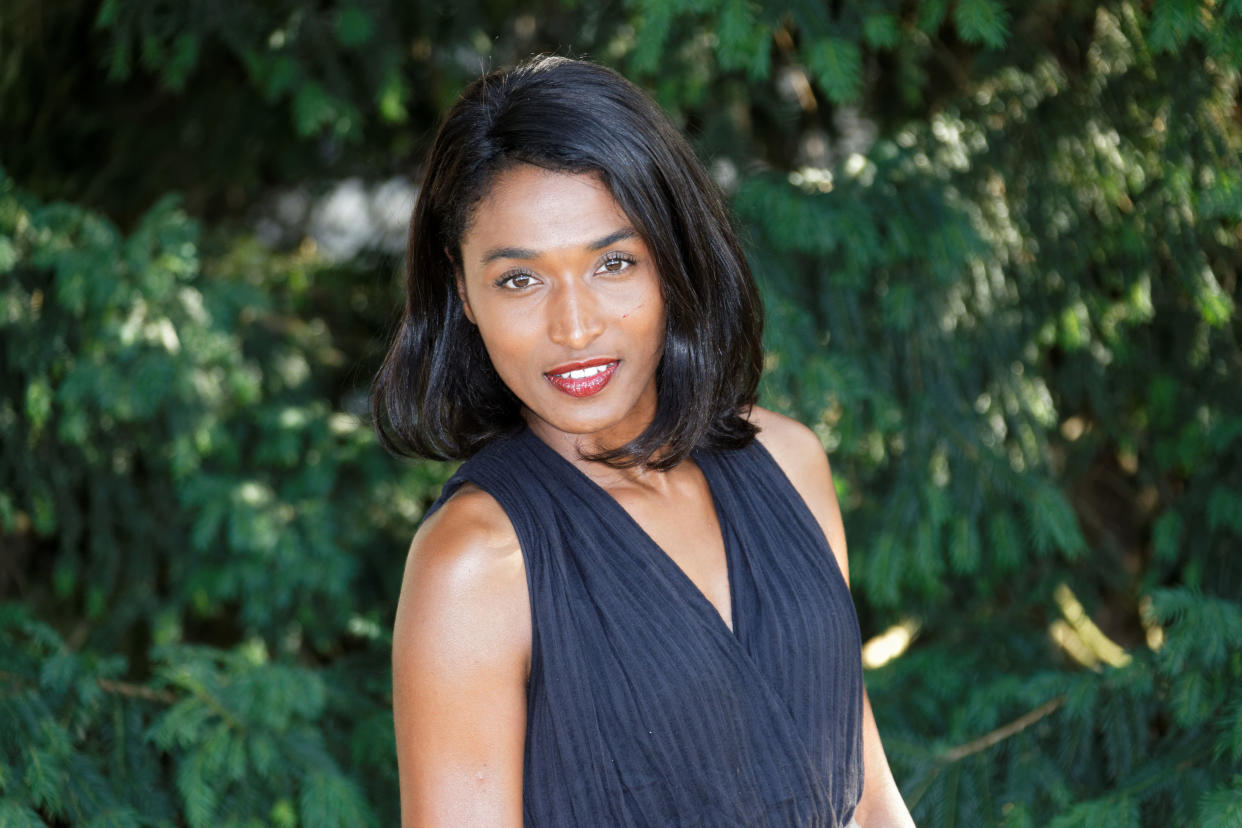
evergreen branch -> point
(136, 691)
(1002, 733)
(120, 688)
(216, 707)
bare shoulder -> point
(465, 565)
(469, 527)
(795, 447)
(798, 452)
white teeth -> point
(583, 373)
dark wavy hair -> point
(436, 394)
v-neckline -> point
(730, 627)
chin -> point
(560, 417)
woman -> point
(624, 609)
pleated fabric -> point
(643, 707)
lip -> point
(586, 363)
(585, 386)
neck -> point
(573, 447)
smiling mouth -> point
(584, 380)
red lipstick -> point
(583, 379)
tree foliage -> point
(998, 248)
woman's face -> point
(567, 300)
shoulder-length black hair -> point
(438, 396)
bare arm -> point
(797, 451)
(881, 805)
(461, 652)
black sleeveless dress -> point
(643, 708)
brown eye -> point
(616, 263)
(516, 281)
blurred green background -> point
(999, 245)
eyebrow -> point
(526, 253)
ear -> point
(459, 281)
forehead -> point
(542, 211)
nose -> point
(574, 317)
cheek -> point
(508, 341)
(643, 310)
(655, 321)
